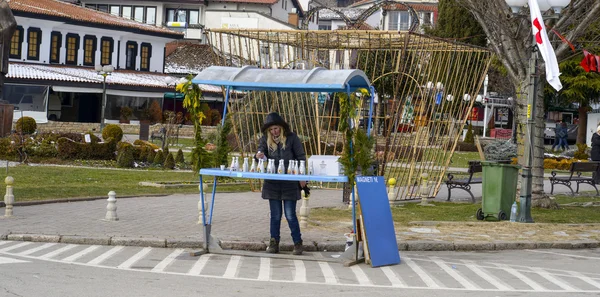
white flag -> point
(543, 43)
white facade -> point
(120, 39)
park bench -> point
(575, 176)
(160, 134)
(465, 183)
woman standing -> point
(280, 143)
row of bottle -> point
(293, 167)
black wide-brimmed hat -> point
(275, 119)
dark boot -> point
(273, 247)
(298, 248)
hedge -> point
(69, 149)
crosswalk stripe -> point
(167, 260)
(80, 254)
(455, 274)
(4, 242)
(328, 273)
(362, 278)
(299, 272)
(553, 279)
(105, 255)
(422, 274)
(232, 267)
(264, 271)
(133, 259)
(56, 252)
(494, 281)
(523, 278)
(16, 246)
(199, 265)
(393, 277)
(36, 249)
(586, 279)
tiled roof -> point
(188, 58)
(26, 71)
(78, 14)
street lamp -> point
(104, 71)
(526, 181)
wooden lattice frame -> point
(419, 123)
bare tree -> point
(510, 38)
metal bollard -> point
(111, 208)
(9, 198)
(204, 188)
(304, 211)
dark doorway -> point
(89, 107)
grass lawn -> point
(461, 159)
(446, 211)
(46, 182)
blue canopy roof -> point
(291, 80)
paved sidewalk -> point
(241, 221)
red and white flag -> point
(543, 43)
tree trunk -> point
(538, 197)
(583, 119)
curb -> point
(328, 246)
(76, 199)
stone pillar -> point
(425, 189)
(9, 198)
(304, 211)
(111, 208)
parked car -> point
(549, 132)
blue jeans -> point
(290, 216)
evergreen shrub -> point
(169, 162)
(26, 125)
(112, 131)
(179, 157)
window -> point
(55, 45)
(145, 55)
(282, 4)
(72, 45)
(103, 7)
(399, 20)
(115, 10)
(151, 15)
(286, 5)
(15, 43)
(126, 12)
(138, 14)
(131, 55)
(106, 50)
(325, 27)
(89, 50)
(91, 6)
(194, 17)
(190, 16)
(34, 39)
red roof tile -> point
(67, 11)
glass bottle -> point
(232, 166)
(302, 169)
(281, 168)
(253, 167)
(290, 167)
(311, 169)
(261, 166)
(245, 166)
(296, 170)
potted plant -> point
(126, 113)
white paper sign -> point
(88, 138)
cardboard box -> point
(325, 165)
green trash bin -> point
(499, 189)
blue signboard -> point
(378, 222)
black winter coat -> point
(595, 154)
(280, 189)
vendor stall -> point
(250, 78)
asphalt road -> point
(53, 269)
